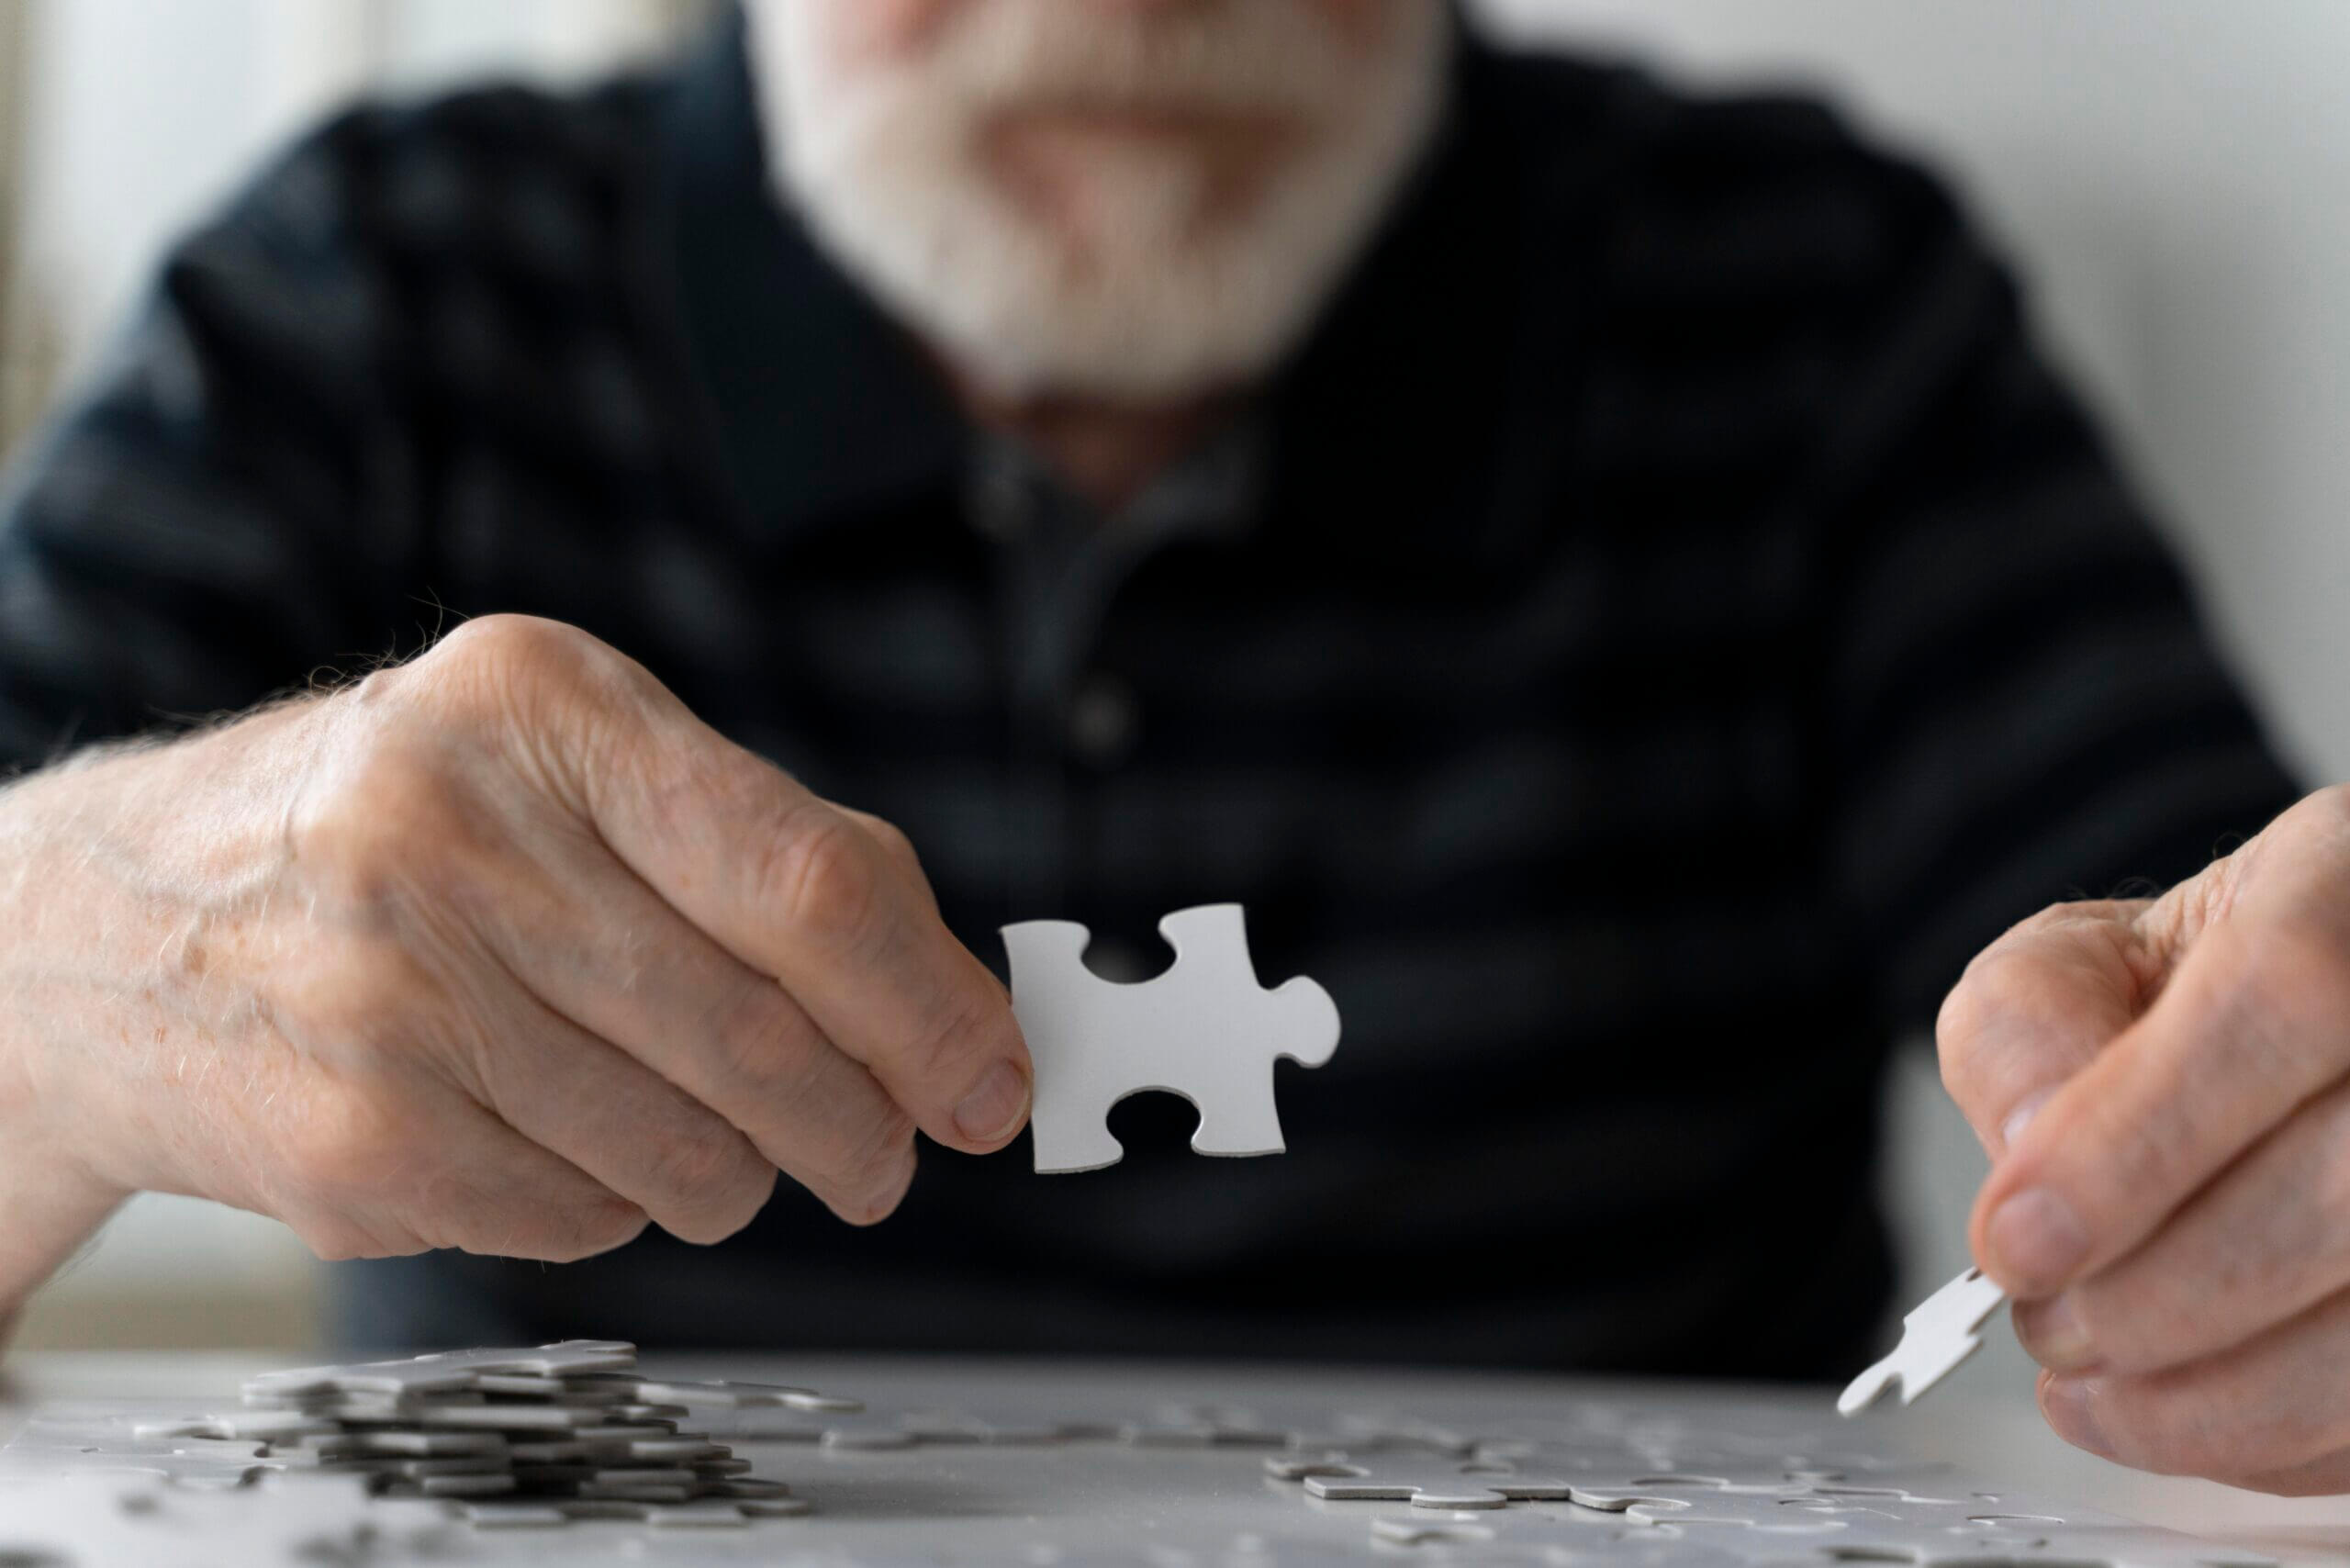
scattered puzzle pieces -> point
(447, 1470)
(1205, 1030)
(1424, 1480)
(1545, 1540)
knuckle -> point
(867, 1211)
(969, 1031)
(577, 1226)
(593, 1225)
(1969, 1019)
(818, 873)
(378, 817)
(1987, 992)
(691, 1168)
(331, 1242)
(517, 673)
(716, 1186)
(873, 1195)
(761, 1049)
(2129, 1322)
(862, 1166)
(564, 1233)
(510, 642)
(337, 1234)
(891, 838)
(877, 1154)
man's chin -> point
(1145, 315)
(1103, 353)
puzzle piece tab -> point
(1205, 1030)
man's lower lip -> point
(1141, 123)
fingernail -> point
(2021, 1119)
(996, 1105)
(2053, 1331)
(2070, 1404)
(2036, 1241)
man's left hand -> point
(2164, 1086)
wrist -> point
(122, 875)
(132, 879)
(53, 1208)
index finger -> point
(798, 888)
(2036, 1007)
(2248, 1027)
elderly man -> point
(1600, 573)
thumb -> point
(2038, 1005)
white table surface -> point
(1001, 1501)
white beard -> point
(884, 163)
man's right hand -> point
(501, 950)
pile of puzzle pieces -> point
(439, 1458)
(505, 1438)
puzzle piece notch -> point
(1205, 1030)
(1936, 1336)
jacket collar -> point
(824, 409)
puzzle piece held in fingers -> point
(1936, 1336)
(1205, 1030)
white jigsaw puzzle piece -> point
(1936, 1336)
(1205, 1030)
(448, 1372)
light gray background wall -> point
(2171, 172)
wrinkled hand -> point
(2164, 1087)
(501, 950)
